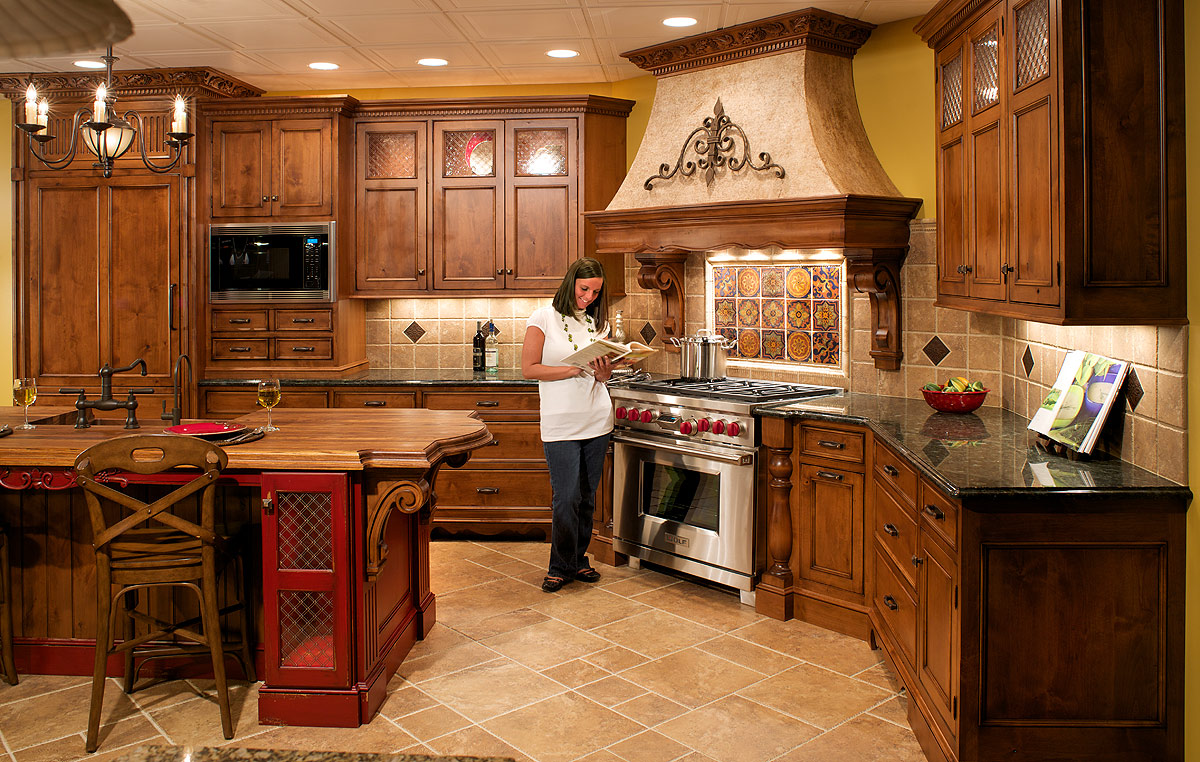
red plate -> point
(207, 429)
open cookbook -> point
(1076, 407)
(613, 350)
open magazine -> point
(1074, 411)
(614, 350)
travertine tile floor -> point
(641, 667)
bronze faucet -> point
(106, 401)
(177, 390)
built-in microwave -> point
(279, 262)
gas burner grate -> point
(733, 389)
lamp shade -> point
(35, 28)
(114, 141)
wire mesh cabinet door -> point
(306, 580)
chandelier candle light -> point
(107, 135)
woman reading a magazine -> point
(577, 414)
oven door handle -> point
(737, 460)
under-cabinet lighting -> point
(562, 53)
(432, 61)
(679, 21)
(323, 66)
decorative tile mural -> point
(781, 313)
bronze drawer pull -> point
(935, 512)
(239, 349)
(487, 403)
(304, 349)
(831, 445)
(830, 475)
(303, 320)
(890, 602)
(238, 321)
(917, 560)
(375, 403)
(891, 529)
(890, 470)
(488, 490)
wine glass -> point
(24, 394)
(268, 397)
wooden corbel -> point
(406, 496)
(663, 272)
(876, 273)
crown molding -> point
(201, 82)
(496, 106)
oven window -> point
(682, 495)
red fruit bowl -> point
(954, 402)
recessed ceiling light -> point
(562, 53)
(90, 64)
(323, 65)
(679, 21)
(432, 61)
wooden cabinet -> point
(264, 339)
(830, 529)
(1059, 161)
(481, 202)
(272, 168)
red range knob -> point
(703, 424)
(734, 428)
(718, 427)
(632, 414)
(620, 412)
(647, 416)
(687, 427)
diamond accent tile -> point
(1133, 388)
(648, 333)
(936, 350)
(1027, 360)
(414, 332)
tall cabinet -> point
(1060, 158)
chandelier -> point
(105, 133)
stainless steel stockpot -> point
(701, 357)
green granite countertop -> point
(207, 754)
(398, 377)
(988, 454)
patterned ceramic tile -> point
(799, 282)
(724, 283)
(936, 350)
(748, 343)
(827, 282)
(748, 281)
(414, 332)
(747, 313)
(772, 282)
(799, 346)
(826, 348)
(825, 316)
(648, 333)
(772, 313)
(725, 312)
(772, 345)
(730, 335)
(799, 315)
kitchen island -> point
(1032, 605)
(342, 499)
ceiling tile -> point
(168, 38)
(522, 25)
(646, 21)
(456, 5)
(742, 13)
(228, 61)
(528, 75)
(213, 10)
(423, 76)
(366, 7)
(348, 59)
(283, 34)
(461, 56)
(397, 28)
(534, 53)
(887, 11)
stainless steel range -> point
(685, 462)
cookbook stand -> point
(1048, 445)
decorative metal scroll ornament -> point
(716, 143)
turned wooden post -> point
(773, 597)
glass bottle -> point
(491, 349)
(477, 347)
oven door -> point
(687, 506)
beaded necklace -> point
(567, 328)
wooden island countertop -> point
(342, 499)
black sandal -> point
(587, 575)
(552, 584)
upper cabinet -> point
(480, 195)
(1059, 159)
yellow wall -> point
(1191, 36)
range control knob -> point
(620, 413)
(688, 426)
(632, 414)
(703, 424)
(734, 428)
(718, 427)
(647, 416)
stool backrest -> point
(149, 454)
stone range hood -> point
(755, 140)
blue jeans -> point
(575, 467)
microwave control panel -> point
(313, 263)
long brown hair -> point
(564, 298)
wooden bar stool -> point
(142, 545)
(6, 626)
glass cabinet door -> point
(469, 153)
(541, 152)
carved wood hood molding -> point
(202, 82)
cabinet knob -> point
(917, 560)
(274, 198)
(890, 602)
(1007, 268)
(891, 529)
(890, 470)
(508, 271)
(500, 271)
(420, 271)
(963, 269)
(266, 199)
(935, 512)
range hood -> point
(755, 140)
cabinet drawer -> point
(939, 514)
(897, 607)
(239, 320)
(241, 402)
(493, 488)
(491, 405)
(375, 399)
(239, 349)
(303, 348)
(832, 443)
(895, 531)
(512, 441)
(303, 320)
(896, 473)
